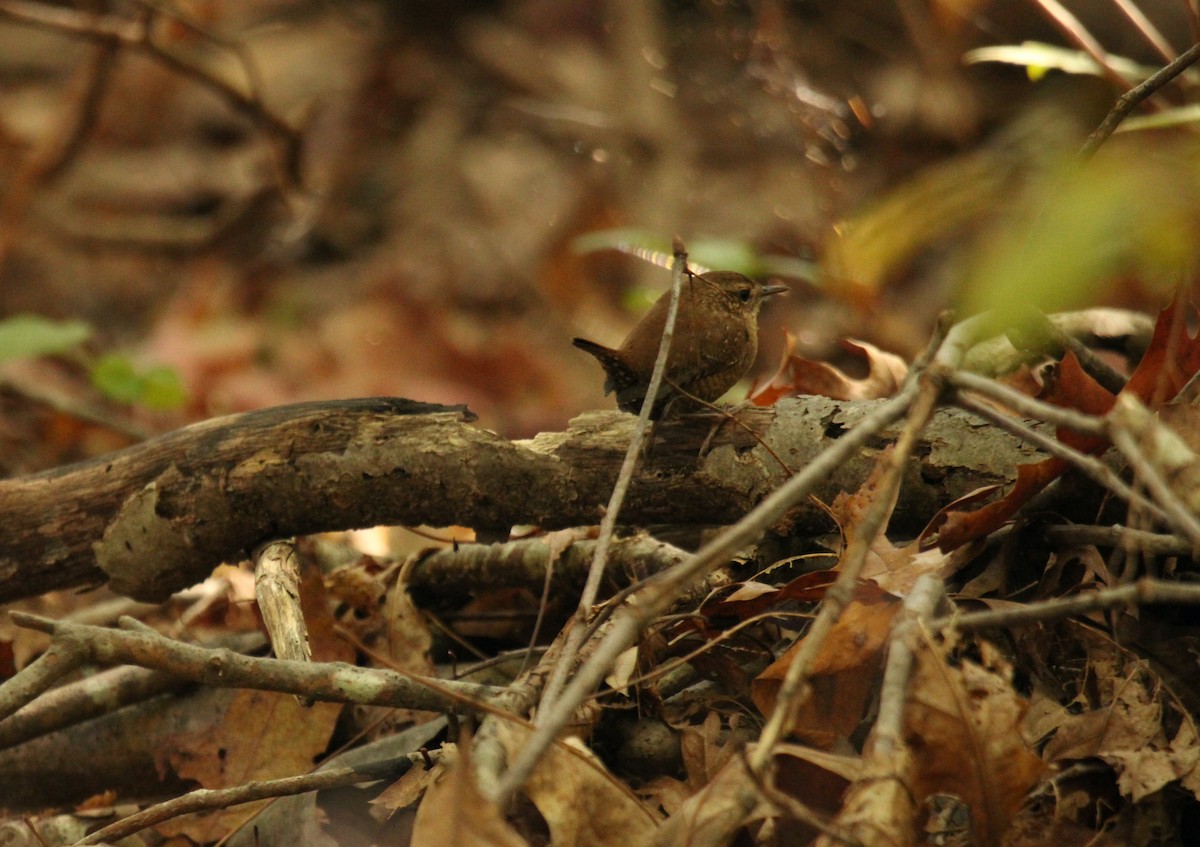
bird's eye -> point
(744, 295)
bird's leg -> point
(682, 395)
(723, 415)
(648, 441)
(668, 408)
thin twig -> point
(62, 657)
(1143, 592)
(1147, 28)
(1026, 406)
(1084, 40)
(58, 148)
(140, 35)
(1178, 516)
(331, 681)
(711, 644)
(793, 691)
(1092, 467)
(1128, 101)
(1036, 333)
(95, 694)
(97, 74)
(1119, 537)
(207, 799)
(920, 605)
(880, 804)
(245, 59)
(535, 633)
(659, 593)
(591, 588)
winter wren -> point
(715, 342)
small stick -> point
(206, 799)
(1128, 101)
(591, 588)
(1144, 592)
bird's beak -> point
(768, 290)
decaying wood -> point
(157, 517)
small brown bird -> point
(714, 344)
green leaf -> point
(1126, 214)
(158, 388)
(29, 336)
(1038, 58)
(726, 254)
(114, 376)
(640, 298)
(162, 389)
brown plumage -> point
(714, 344)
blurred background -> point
(225, 205)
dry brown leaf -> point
(356, 586)
(489, 614)
(669, 793)
(1172, 358)
(582, 803)
(1184, 419)
(408, 636)
(850, 507)
(261, 734)
(713, 815)
(623, 669)
(1123, 713)
(846, 768)
(1187, 749)
(703, 758)
(962, 723)
(798, 375)
(897, 569)
(843, 674)
(879, 808)
(455, 813)
(702, 755)
(407, 789)
(817, 779)
(749, 590)
(326, 644)
(894, 569)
